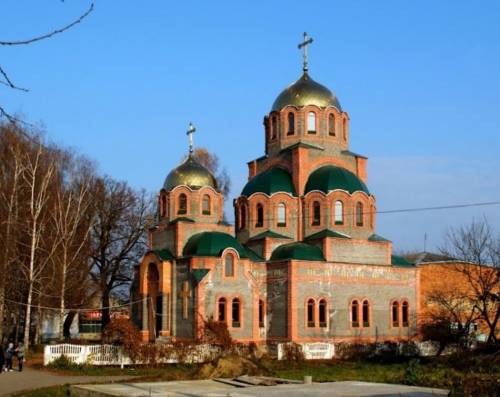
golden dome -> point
(190, 173)
(305, 91)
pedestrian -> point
(20, 355)
(9, 354)
(2, 359)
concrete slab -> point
(209, 388)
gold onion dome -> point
(190, 173)
(305, 91)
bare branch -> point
(53, 33)
(8, 82)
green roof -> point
(271, 181)
(376, 237)
(198, 274)
(164, 254)
(303, 145)
(301, 251)
(349, 153)
(400, 261)
(252, 255)
(212, 244)
(327, 233)
(330, 177)
(269, 233)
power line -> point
(395, 211)
(76, 309)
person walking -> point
(20, 356)
(9, 354)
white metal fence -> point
(114, 355)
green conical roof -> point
(212, 244)
(301, 251)
(330, 177)
(271, 181)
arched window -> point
(395, 314)
(236, 313)
(339, 212)
(221, 310)
(405, 314)
(229, 265)
(322, 313)
(355, 314)
(281, 214)
(359, 214)
(182, 209)
(260, 216)
(366, 313)
(261, 313)
(291, 124)
(205, 205)
(274, 127)
(243, 217)
(311, 123)
(163, 205)
(310, 313)
(344, 129)
(316, 210)
(331, 124)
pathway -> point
(14, 382)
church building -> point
(303, 262)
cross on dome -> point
(189, 133)
(307, 40)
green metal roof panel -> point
(252, 255)
(199, 274)
(164, 254)
(349, 153)
(303, 145)
(400, 261)
(376, 237)
(212, 244)
(270, 234)
(300, 251)
(330, 177)
(327, 233)
(271, 181)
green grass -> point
(54, 391)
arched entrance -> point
(154, 302)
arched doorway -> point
(154, 302)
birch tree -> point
(38, 175)
(72, 224)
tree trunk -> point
(62, 306)
(106, 316)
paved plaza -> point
(214, 388)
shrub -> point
(122, 332)
(64, 363)
(293, 352)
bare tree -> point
(4, 76)
(72, 220)
(118, 237)
(11, 172)
(477, 251)
(38, 177)
(212, 163)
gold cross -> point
(185, 294)
(307, 40)
(190, 133)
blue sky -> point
(420, 81)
